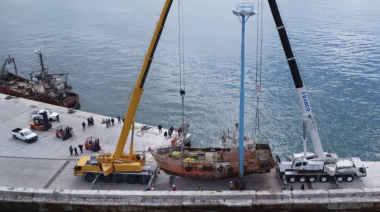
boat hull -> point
(217, 164)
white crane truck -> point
(306, 166)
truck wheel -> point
(302, 179)
(339, 178)
(50, 119)
(107, 179)
(14, 137)
(292, 179)
(89, 177)
(349, 178)
(323, 179)
(312, 179)
(119, 178)
(131, 179)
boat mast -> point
(12, 60)
(301, 90)
(243, 11)
(43, 69)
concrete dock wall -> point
(28, 199)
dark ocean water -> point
(102, 45)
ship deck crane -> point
(311, 167)
(126, 166)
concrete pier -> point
(39, 176)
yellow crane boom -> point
(139, 87)
(117, 161)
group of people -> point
(110, 122)
(71, 149)
(90, 121)
(169, 133)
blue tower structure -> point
(243, 11)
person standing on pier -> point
(71, 150)
(118, 120)
(88, 122)
(232, 186)
(80, 148)
(159, 128)
(170, 131)
(302, 187)
(113, 121)
(165, 134)
(92, 120)
(58, 118)
(76, 151)
(84, 126)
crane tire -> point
(107, 179)
(89, 177)
(323, 179)
(131, 179)
(14, 137)
(210, 168)
(349, 178)
(302, 179)
(291, 179)
(339, 178)
(312, 179)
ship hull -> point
(217, 163)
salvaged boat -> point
(213, 162)
(42, 86)
(219, 162)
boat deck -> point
(47, 163)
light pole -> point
(243, 11)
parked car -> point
(52, 116)
(24, 134)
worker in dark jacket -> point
(80, 148)
(84, 126)
(71, 150)
(76, 151)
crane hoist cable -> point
(181, 57)
(259, 56)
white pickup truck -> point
(52, 116)
(24, 134)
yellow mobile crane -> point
(117, 166)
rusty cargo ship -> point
(42, 86)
